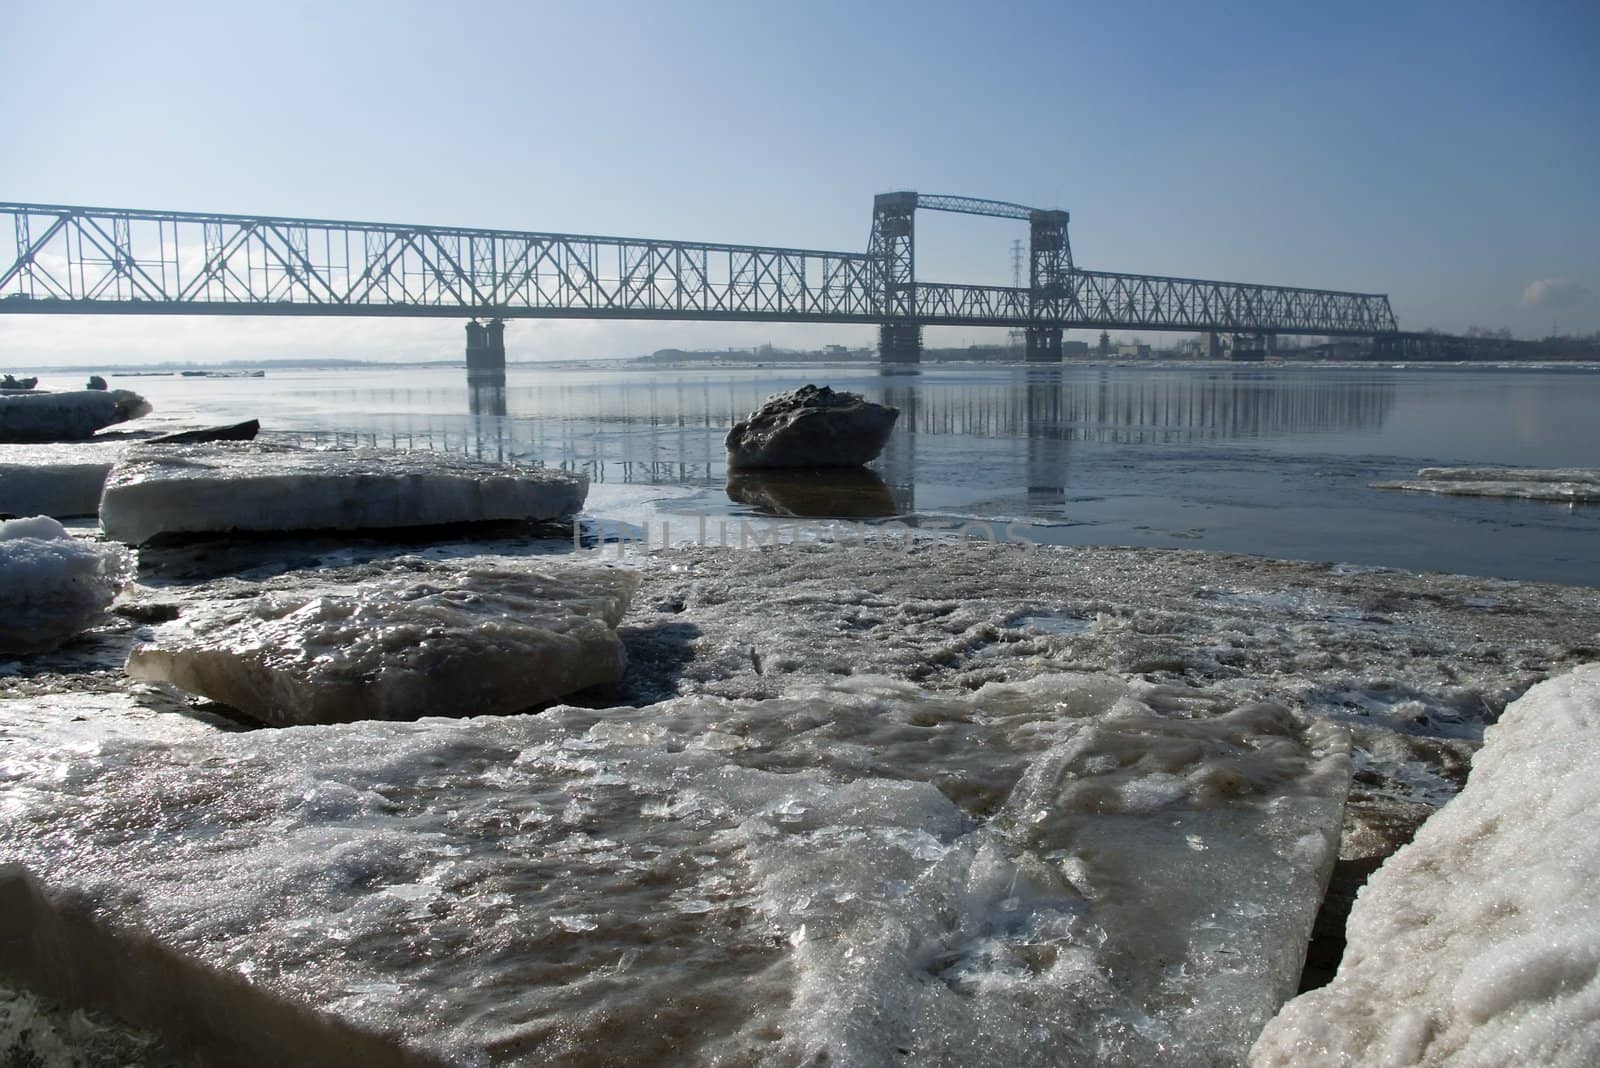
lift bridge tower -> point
(892, 256)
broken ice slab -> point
(1572, 484)
(67, 416)
(1479, 942)
(399, 641)
(700, 881)
(53, 586)
(62, 480)
(257, 486)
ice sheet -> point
(413, 638)
(62, 480)
(1575, 484)
(257, 486)
(1479, 943)
(68, 416)
(865, 871)
(52, 585)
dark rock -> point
(96, 382)
(245, 431)
(147, 611)
(810, 427)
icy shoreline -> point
(1413, 665)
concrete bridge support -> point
(899, 343)
(486, 351)
(1042, 344)
(1248, 348)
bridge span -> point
(81, 260)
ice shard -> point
(256, 486)
(416, 638)
(53, 586)
(1479, 942)
(864, 873)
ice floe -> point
(1479, 942)
(1574, 484)
(60, 480)
(416, 638)
(863, 872)
(68, 416)
(53, 586)
(256, 486)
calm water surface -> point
(1274, 461)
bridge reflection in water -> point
(1017, 434)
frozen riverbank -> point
(1413, 666)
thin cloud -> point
(1555, 293)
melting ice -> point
(863, 872)
(52, 585)
(399, 641)
(258, 486)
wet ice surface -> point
(52, 585)
(414, 638)
(60, 480)
(258, 486)
(1479, 943)
(1414, 665)
(1579, 485)
(712, 880)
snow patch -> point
(1479, 942)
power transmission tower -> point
(1016, 281)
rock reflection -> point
(834, 493)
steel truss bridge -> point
(80, 260)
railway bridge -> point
(80, 260)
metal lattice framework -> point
(99, 260)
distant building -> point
(1072, 349)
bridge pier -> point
(486, 351)
(1042, 344)
(1248, 348)
(1213, 346)
(899, 343)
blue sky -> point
(1444, 153)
